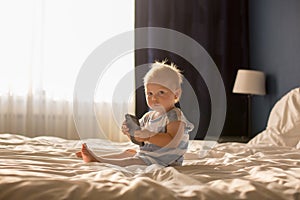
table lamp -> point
(249, 82)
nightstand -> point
(241, 139)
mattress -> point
(47, 168)
(267, 167)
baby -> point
(164, 129)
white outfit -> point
(171, 154)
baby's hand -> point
(125, 129)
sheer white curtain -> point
(43, 44)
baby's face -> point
(159, 98)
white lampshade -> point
(249, 82)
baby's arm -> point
(175, 128)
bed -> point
(268, 167)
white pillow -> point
(283, 128)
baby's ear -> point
(177, 95)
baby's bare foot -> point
(87, 155)
(78, 154)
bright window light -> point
(45, 42)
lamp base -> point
(249, 117)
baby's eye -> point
(161, 92)
(149, 93)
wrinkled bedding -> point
(47, 168)
(283, 127)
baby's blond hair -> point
(166, 75)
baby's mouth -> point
(157, 106)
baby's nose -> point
(154, 98)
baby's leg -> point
(126, 159)
(125, 154)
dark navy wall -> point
(274, 27)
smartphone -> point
(133, 124)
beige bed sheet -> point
(46, 168)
